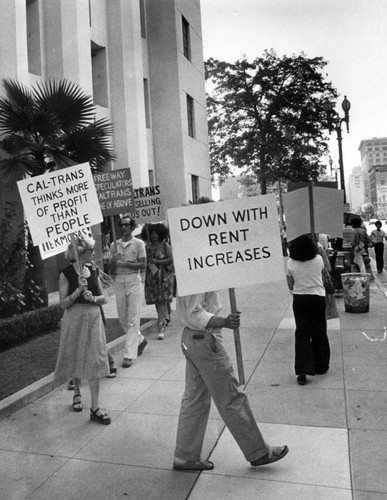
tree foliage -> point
(266, 117)
(50, 126)
(14, 290)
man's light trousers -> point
(128, 290)
(209, 374)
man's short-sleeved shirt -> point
(132, 250)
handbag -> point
(329, 283)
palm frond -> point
(65, 102)
(17, 108)
(15, 168)
(92, 144)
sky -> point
(351, 35)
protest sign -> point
(115, 192)
(313, 210)
(226, 244)
(149, 207)
(59, 203)
(59, 245)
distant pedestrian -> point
(82, 349)
(359, 243)
(127, 259)
(331, 310)
(377, 238)
(305, 279)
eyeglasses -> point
(125, 224)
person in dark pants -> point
(305, 279)
(377, 239)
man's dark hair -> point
(302, 248)
(356, 222)
(202, 199)
(132, 222)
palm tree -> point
(48, 127)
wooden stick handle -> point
(237, 339)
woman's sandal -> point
(77, 403)
(102, 418)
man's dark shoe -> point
(126, 363)
(301, 379)
(141, 347)
(189, 465)
(274, 454)
(113, 372)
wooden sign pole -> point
(237, 339)
(113, 231)
(311, 212)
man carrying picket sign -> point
(209, 374)
(128, 258)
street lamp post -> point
(334, 123)
(333, 168)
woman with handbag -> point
(159, 276)
(304, 275)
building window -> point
(146, 101)
(190, 116)
(33, 37)
(99, 73)
(186, 38)
(142, 19)
(195, 188)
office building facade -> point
(373, 154)
(355, 190)
(142, 61)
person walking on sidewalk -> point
(209, 374)
(305, 279)
(377, 238)
(82, 350)
(128, 258)
(159, 275)
(359, 244)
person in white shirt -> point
(209, 375)
(128, 258)
(304, 276)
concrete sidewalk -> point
(335, 427)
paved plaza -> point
(335, 427)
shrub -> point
(29, 324)
(14, 262)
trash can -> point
(356, 289)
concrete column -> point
(13, 40)
(126, 88)
(67, 41)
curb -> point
(37, 389)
